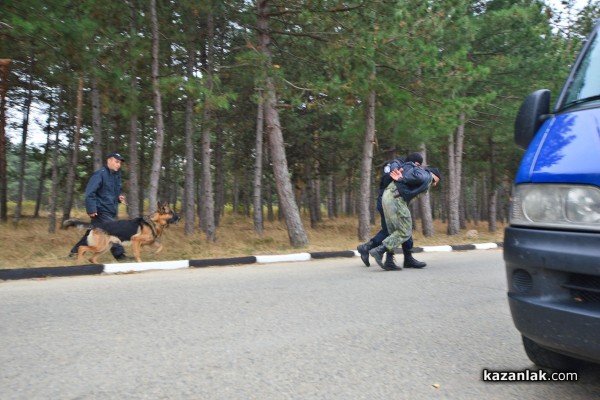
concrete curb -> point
(96, 269)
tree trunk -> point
(425, 204)
(485, 210)
(200, 200)
(455, 149)
(53, 200)
(97, 126)
(190, 179)
(42, 180)
(70, 184)
(268, 183)
(247, 200)
(168, 190)
(208, 203)
(135, 203)
(156, 166)
(141, 160)
(314, 181)
(414, 214)
(133, 193)
(316, 187)
(4, 71)
(236, 193)
(270, 201)
(287, 205)
(492, 227)
(364, 220)
(331, 197)
(494, 192)
(258, 209)
(23, 155)
(475, 207)
(219, 178)
(462, 205)
(310, 193)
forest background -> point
(231, 109)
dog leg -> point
(136, 245)
(98, 251)
(157, 246)
(83, 249)
(81, 252)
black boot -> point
(363, 250)
(82, 242)
(377, 253)
(411, 262)
(389, 264)
(118, 253)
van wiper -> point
(580, 101)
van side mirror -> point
(532, 114)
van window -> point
(585, 85)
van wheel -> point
(548, 358)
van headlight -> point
(556, 206)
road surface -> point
(322, 329)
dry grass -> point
(29, 245)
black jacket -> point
(102, 192)
(415, 180)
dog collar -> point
(150, 223)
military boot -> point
(411, 262)
(389, 264)
(377, 253)
(363, 250)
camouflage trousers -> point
(397, 217)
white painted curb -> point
(145, 266)
(428, 249)
(29, 273)
(284, 257)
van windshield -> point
(585, 83)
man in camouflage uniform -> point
(409, 181)
(407, 246)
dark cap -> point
(415, 157)
(115, 155)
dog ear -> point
(163, 207)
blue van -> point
(552, 244)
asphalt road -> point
(322, 329)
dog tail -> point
(75, 222)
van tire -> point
(548, 358)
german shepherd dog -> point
(141, 231)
